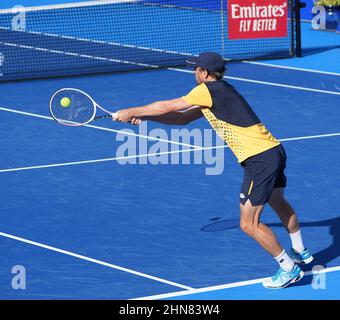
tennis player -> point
(262, 157)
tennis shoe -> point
(303, 257)
(283, 279)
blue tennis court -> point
(88, 221)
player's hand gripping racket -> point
(73, 107)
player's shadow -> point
(331, 252)
(322, 257)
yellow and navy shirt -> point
(232, 118)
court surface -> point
(85, 226)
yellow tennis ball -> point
(65, 102)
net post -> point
(297, 7)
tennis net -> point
(122, 35)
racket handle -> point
(112, 115)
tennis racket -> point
(73, 107)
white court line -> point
(67, 53)
(225, 286)
(97, 160)
(312, 137)
(110, 43)
(106, 264)
(283, 85)
(178, 70)
(103, 128)
(291, 68)
(152, 154)
(274, 84)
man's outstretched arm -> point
(178, 117)
(156, 109)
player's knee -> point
(247, 227)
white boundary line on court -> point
(97, 160)
(152, 154)
(224, 286)
(58, 36)
(292, 68)
(106, 264)
(312, 137)
(86, 56)
(274, 84)
(284, 85)
(103, 128)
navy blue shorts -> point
(262, 173)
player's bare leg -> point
(284, 210)
(298, 253)
(251, 225)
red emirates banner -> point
(251, 19)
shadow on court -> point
(322, 257)
(316, 50)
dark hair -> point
(215, 75)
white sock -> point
(284, 261)
(297, 242)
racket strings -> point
(78, 109)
